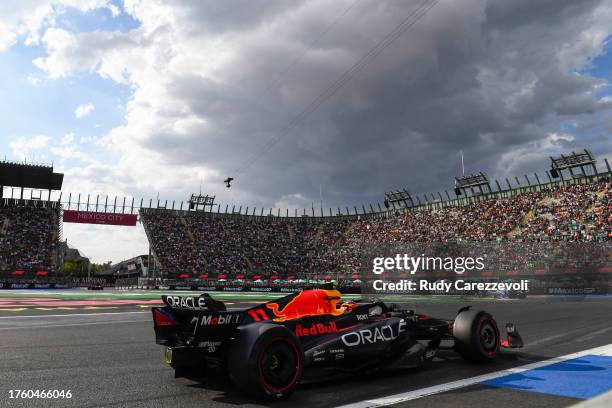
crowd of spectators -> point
(28, 237)
(171, 242)
(201, 243)
(568, 213)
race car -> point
(268, 349)
(510, 294)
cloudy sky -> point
(140, 98)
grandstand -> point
(29, 233)
(209, 245)
(29, 227)
(201, 243)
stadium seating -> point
(28, 237)
(196, 242)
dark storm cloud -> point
(511, 15)
(491, 78)
(218, 17)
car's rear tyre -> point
(476, 335)
(266, 361)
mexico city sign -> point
(91, 217)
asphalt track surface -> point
(109, 359)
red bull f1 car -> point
(268, 349)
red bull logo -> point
(316, 329)
(308, 303)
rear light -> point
(163, 318)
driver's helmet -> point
(348, 306)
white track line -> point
(437, 389)
(73, 314)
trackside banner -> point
(91, 217)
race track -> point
(108, 358)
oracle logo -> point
(185, 302)
(374, 335)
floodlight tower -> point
(400, 197)
(464, 185)
(201, 200)
(583, 161)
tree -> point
(73, 267)
(97, 268)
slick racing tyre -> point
(266, 361)
(476, 335)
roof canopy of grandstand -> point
(583, 161)
(399, 197)
(199, 200)
(467, 183)
(27, 175)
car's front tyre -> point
(476, 335)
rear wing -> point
(189, 321)
(194, 303)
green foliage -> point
(73, 267)
(97, 268)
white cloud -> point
(7, 37)
(68, 139)
(67, 152)
(115, 11)
(557, 140)
(533, 157)
(26, 18)
(495, 78)
(126, 241)
(606, 99)
(87, 139)
(293, 201)
(41, 146)
(83, 110)
(33, 80)
(22, 19)
(24, 147)
(60, 43)
(199, 88)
